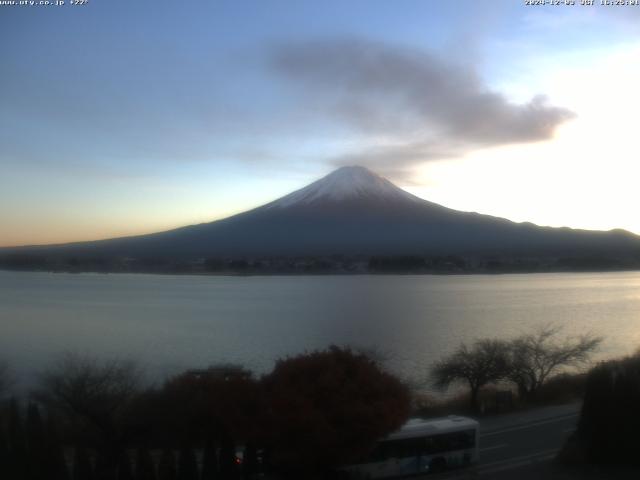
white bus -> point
(422, 446)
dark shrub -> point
(610, 418)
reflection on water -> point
(175, 322)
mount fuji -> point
(353, 211)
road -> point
(525, 439)
(520, 440)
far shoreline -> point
(321, 274)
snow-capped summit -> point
(346, 183)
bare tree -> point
(87, 386)
(485, 361)
(6, 379)
(94, 393)
(534, 357)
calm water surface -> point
(175, 322)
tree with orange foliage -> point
(328, 408)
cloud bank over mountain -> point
(414, 106)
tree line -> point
(96, 419)
(310, 414)
(345, 264)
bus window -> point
(408, 447)
(450, 441)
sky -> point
(120, 118)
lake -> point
(170, 323)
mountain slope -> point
(353, 211)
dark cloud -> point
(415, 106)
